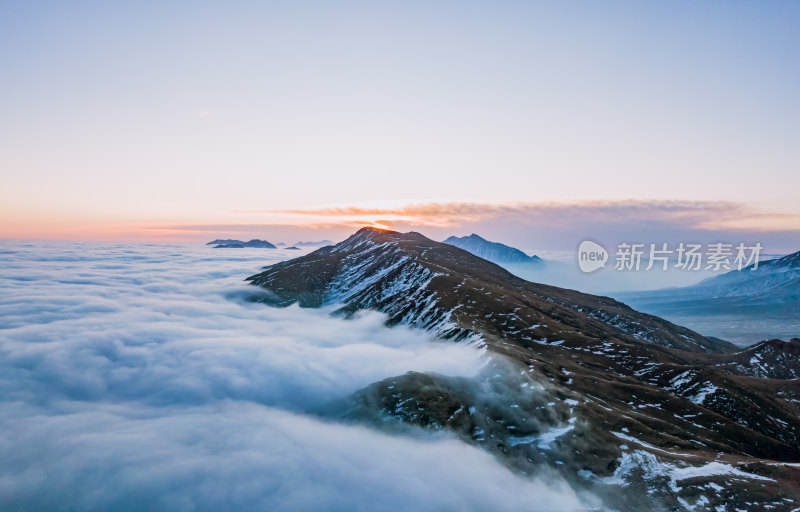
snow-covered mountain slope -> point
(592, 388)
(773, 281)
(742, 306)
(439, 287)
(492, 251)
(770, 359)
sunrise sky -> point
(298, 120)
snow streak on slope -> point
(383, 277)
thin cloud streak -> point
(542, 226)
(561, 226)
(704, 214)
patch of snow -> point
(652, 467)
(700, 397)
(543, 441)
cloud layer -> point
(533, 226)
(138, 377)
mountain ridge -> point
(776, 278)
(492, 251)
(238, 244)
(320, 243)
(618, 392)
(418, 261)
(742, 306)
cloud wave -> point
(136, 376)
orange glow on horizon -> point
(292, 225)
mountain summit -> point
(455, 294)
(238, 244)
(583, 384)
(492, 251)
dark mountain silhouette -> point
(238, 244)
(314, 244)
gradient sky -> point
(153, 119)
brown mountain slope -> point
(610, 397)
(447, 290)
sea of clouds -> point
(139, 377)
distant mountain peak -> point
(320, 243)
(220, 241)
(775, 281)
(238, 244)
(492, 251)
(790, 261)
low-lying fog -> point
(136, 377)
